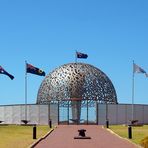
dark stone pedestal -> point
(82, 135)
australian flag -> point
(81, 55)
(3, 71)
(34, 70)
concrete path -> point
(63, 137)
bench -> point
(25, 121)
(1, 121)
(135, 123)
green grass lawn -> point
(16, 136)
(138, 132)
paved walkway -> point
(63, 137)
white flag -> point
(138, 69)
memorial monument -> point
(78, 83)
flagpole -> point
(76, 56)
(76, 102)
(133, 87)
(26, 90)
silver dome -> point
(76, 80)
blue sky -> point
(46, 33)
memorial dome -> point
(76, 80)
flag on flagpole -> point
(138, 69)
(34, 70)
(81, 55)
(146, 74)
(3, 71)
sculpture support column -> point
(76, 111)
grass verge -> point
(138, 132)
(19, 136)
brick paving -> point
(63, 137)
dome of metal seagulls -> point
(77, 80)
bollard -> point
(34, 132)
(129, 132)
(50, 123)
(107, 123)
